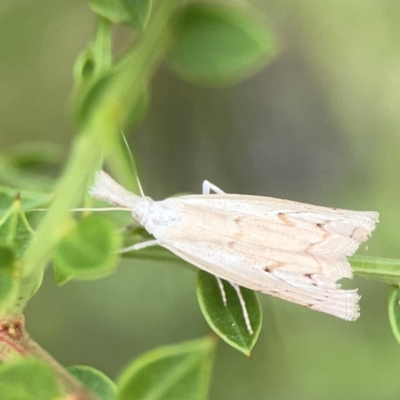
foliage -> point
(95, 380)
(27, 379)
(227, 320)
(175, 372)
(206, 44)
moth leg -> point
(139, 246)
(244, 309)
(208, 186)
(222, 290)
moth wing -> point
(248, 265)
(283, 225)
(290, 250)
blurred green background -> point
(319, 125)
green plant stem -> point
(102, 45)
(130, 77)
(85, 157)
(101, 134)
(386, 270)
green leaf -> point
(218, 45)
(379, 269)
(27, 379)
(29, 200)
(8, 269)
(139, 12)
(228, 320)
(95, 381)
(178, 372)
(89, 251)
(15, 229)
(34, 155)
(15, 290)
(394, 312)
(32, 178)
(114, 10)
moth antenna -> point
(93, 209)
(100, 209)
(133, 164)
(140, 189)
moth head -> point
(160, 217)
(140, 209)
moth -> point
(290, 250)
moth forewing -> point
(257, 268)
(281, 221)
(287, 249)
(291, 242)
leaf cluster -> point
(206, 44)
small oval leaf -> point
(95, 381)
(218, 45)
(38, 156)
(89, 251)
(394, 312)
(180, 371)
(27, 379)
(228, 321)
